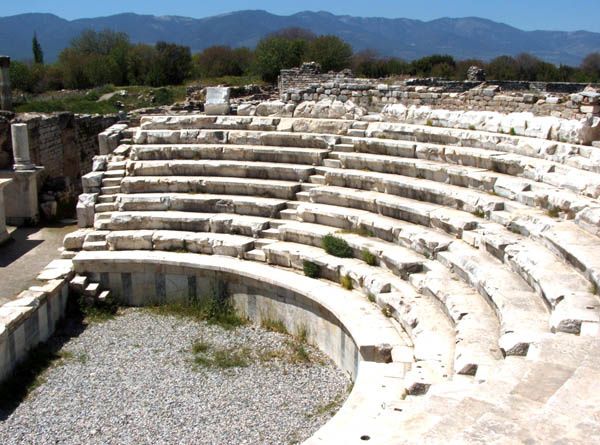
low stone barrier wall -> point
(565, 100)
(32, 317)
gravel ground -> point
(133, 380)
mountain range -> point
(469, 37)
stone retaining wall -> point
(64, 143)
(565, 100)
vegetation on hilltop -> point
(95, 59)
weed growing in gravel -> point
(386, 311)
(300, 353)
(330, 408)
(369, 258)
(98, 311)
(336, 246)
(274, 325)
(512, 131)
(311, 269)
(553, 212)
(216, 308)
(200, 346)
(371, 297)
(346, 282)
(221, 358)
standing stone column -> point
(5, 90)
(20, 146)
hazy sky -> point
(568, 15)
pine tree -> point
(38, 54)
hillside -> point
(468, 37)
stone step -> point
(354, 132)
(476, 325)
(522, 313)
(186, 222)
(96, 235)
(106, 207)
(95, 245)
(317, 179)
(303, 196)
(110, 190)
(292, 205)
(167, 240)
(116, 173)
(343, 148)
(201, 202)
(421, 239)
(111, 182)
(214, 185)
(118, 166)
(260, 243)
(103, 199)
(306, 186)
(240, 169)
(270, 234)
(255, 255)
(332, 163)
(237, 137)
(399, 260)
(452, 221)
(415, 188)
(249, 153)
(288, 214)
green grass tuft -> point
(369, 258)
(346, 282)
(274, 326)
(336, 246)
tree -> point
(38, 54)
(331, 52)
(591, 66)
(425, 65)
(502, 68)
(274, 53)
(218, 61)
(173, 64)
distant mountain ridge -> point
(468, 37)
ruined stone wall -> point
(63, 143)
(565, 100)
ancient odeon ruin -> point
(470, 310)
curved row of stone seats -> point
(367, 346)
(469, 315)
(579, 156)
(238, 169)
(203, 203)
(254, 153)
(212, 185)
(183, 221)
(567, 293)
(249, 120)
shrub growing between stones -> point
(311, 269)
(337, 246)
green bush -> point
(369, 258)
(337, 246)
(310, 269)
